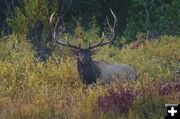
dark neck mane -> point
(89, 73)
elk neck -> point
(89, 72)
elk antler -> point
(54, 35)
(111, 35)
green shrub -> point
(159, 17)
(28, 13)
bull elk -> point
(90, 70)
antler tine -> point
(67, 44)
(102, 37)
(115, 18)
(96, 45)
(111, 36)
(54, 34)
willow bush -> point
(52, 89)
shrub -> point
(52, 89)
(149, 107)
(28, 13)
(118, 102)
(152, 16)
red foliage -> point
(116, 101)
(168, 88)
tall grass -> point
(32, 89)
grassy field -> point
(37, 90)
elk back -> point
(115, 71)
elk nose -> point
(83, 61)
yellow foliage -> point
(33, 89)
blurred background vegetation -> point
(150, 18)
(39, 79)
(155, 17)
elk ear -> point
(74, 51)
(93, 52)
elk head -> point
(84, 54)
(87, 69)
